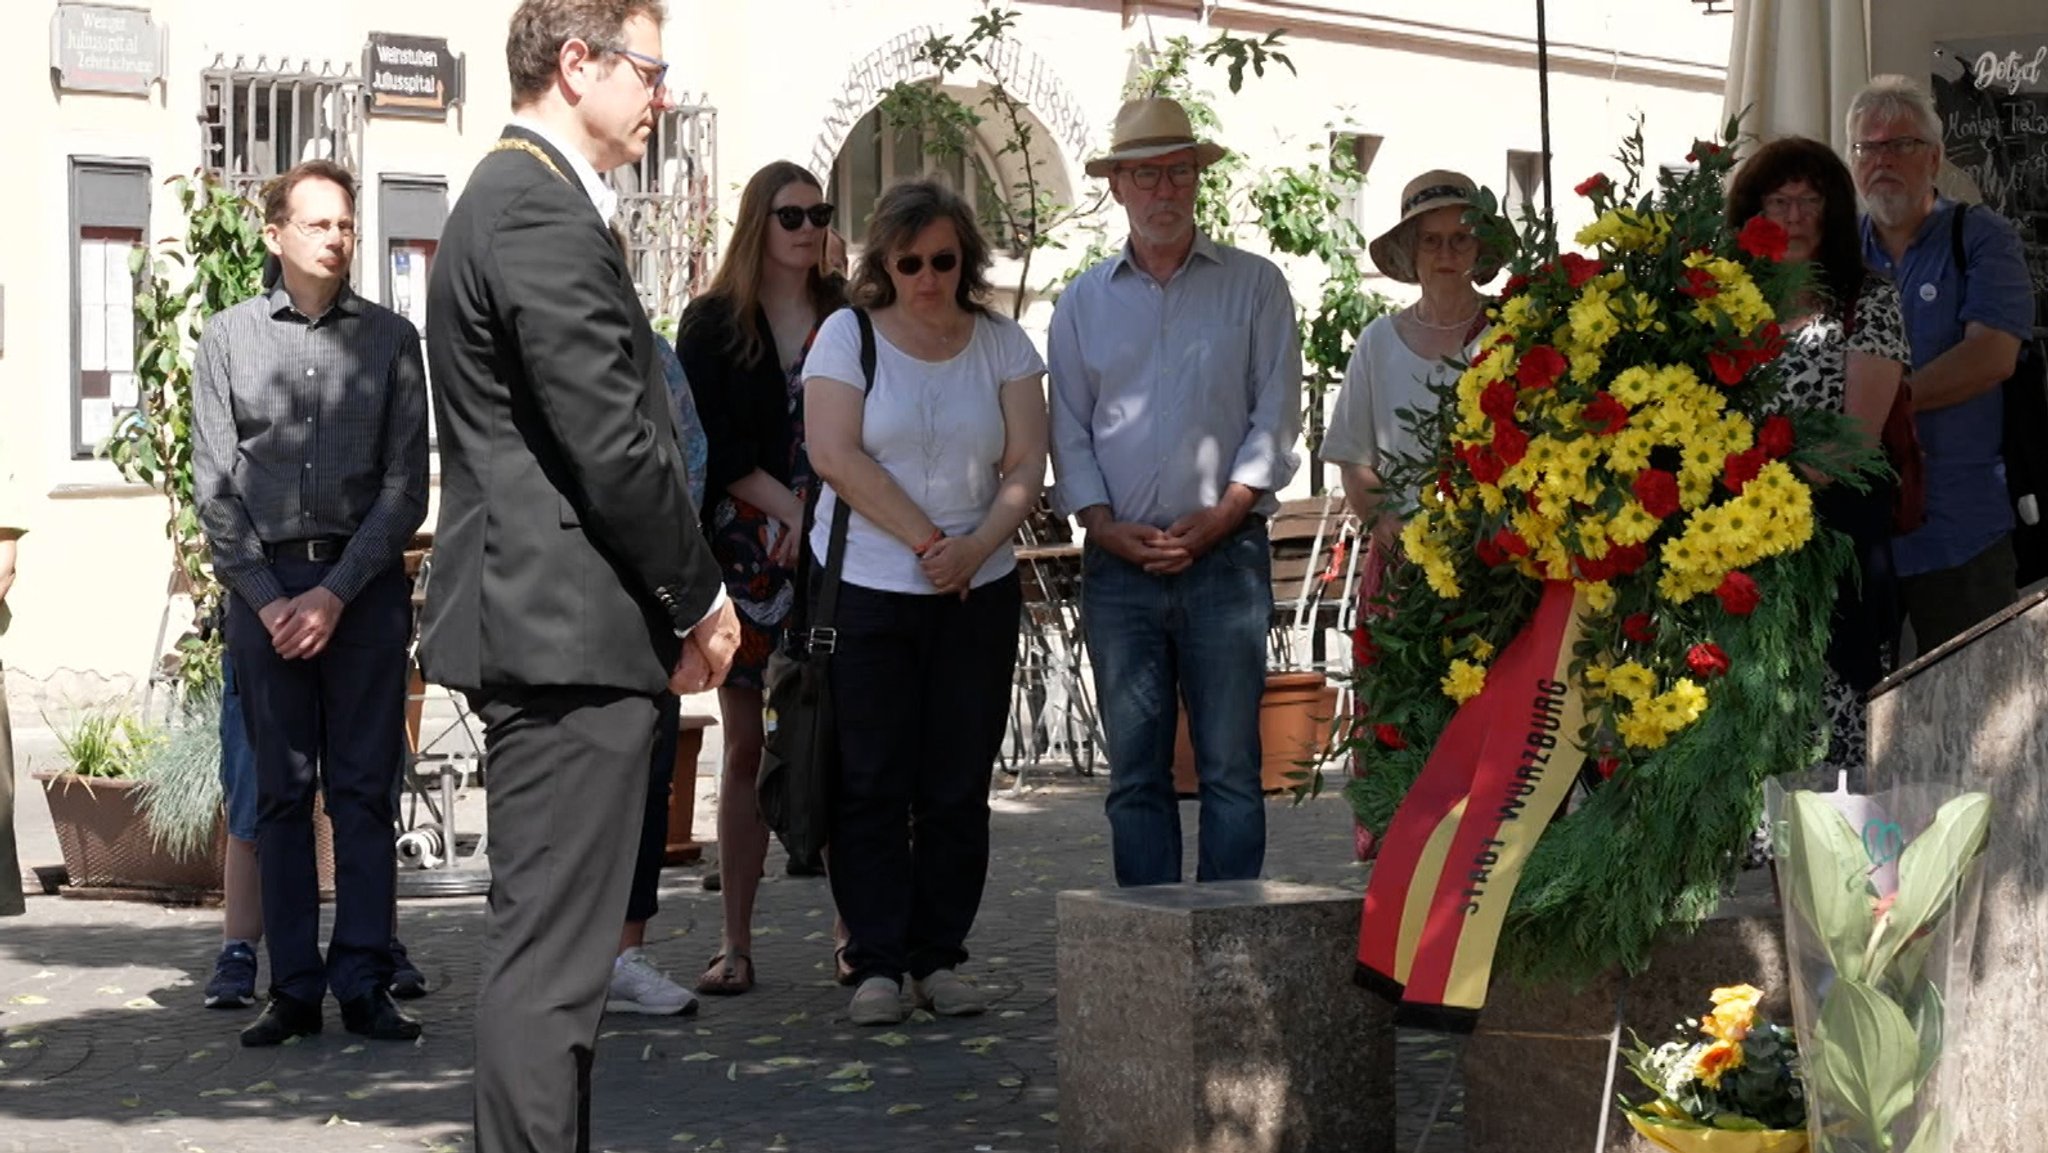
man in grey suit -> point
(571, 584)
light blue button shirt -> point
(1165, 394)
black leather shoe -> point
(284, 1017)
(376, 1016)
(407, 982)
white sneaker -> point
(638, 987)
(945, 993)
(878, 1001)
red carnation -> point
(1605, 766)
(1628, 558)
(1486, 465)
(1579, 269)
(1657, 490)
(1770, 342)
(1511, 444)
(1775, 437)
(1706, 661)
(1639, 628)
(1727, 369)
(1594, 184)
(1390, 736)
(1488, 552)
(1444, 484)
(1763, 238)
(1515, 284)
(1594, 570)
(1364, 654)
(1498, 401)
(1510, 542)
(1741, 467)
(1700, 284)
(1606, 415)
(1540, 367)
(1739, 594)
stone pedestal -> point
(1973, 714)
(1536, 1067)
(1219, 1019)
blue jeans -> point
(1199, 636)
(237, 758)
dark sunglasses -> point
(792, 218)
(913, 264)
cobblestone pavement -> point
(105, 1046)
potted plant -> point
(97, 807)
(1729, 1084)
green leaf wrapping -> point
(1929, 870)
(1868, 1055)
(1827, 873)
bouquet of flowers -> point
(1620, 437)
(1731, 1084)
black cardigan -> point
(744, 405)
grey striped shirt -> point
(308, 428)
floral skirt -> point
(763, 593)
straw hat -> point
(1393, 251)
(1152, 127)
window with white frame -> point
(1355, 151)
(109, 226)
(876, 156)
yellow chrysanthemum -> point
(1464, 681)
(1734, 1012)
(1631, 681)
(1717, 1061)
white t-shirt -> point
(1384, 377)
(937, 428)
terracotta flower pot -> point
(108, 850)
(1295, 713)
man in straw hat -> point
(1176, 373)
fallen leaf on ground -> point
(763, 1039)
(131, 1102)
(851, 1087)
(920, 1017)
(647, 1052)
(680, 1137)
(732, 1071)
(1011, 1082)
(356, 1094)
(793, 1018)
(353, 1049)
(337, 1119)
(216, 1092)
(848, 1071)
(893, 1040)
(109, 990)
(966, 1095)
(980, 1045)
(27, 999)
(197, 1054)
(700, 1055)
(906, 1107)
(786, 1062)
(262, 1087)
(1049, 1118)
(1011, 1014)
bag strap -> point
(1957, 253)
(821, 636)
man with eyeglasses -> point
(572, 584)
(310, 476)
(1176, 379)
(1966, 326)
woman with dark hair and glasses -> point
(742, 345)
(1846, 352)
(940, 457)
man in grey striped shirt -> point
(310, 473)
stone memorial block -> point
(1219, 1018)
(1973, 714)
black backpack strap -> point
(821, 637)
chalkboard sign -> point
(1993, 98)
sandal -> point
(722, 977)
(841, 971)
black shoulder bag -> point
(2026, 430)
(799, 752)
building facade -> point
(410, 96)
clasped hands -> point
(1163, 552)
(301, 626)
(707, 652)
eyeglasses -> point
(912, 264)
(1147, 176)
(642, 64)
(1781, 207)
(1459, 242)
(792, 218)
(315, 229)
(1897, 147)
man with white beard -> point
(1968, 305)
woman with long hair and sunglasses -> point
(1845, 351)
(742, 345)
(940, 457)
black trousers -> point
(921, 692)
(336, 722)
(643, 899)
(568, 788)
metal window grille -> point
(257, 120)
(668, 205)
